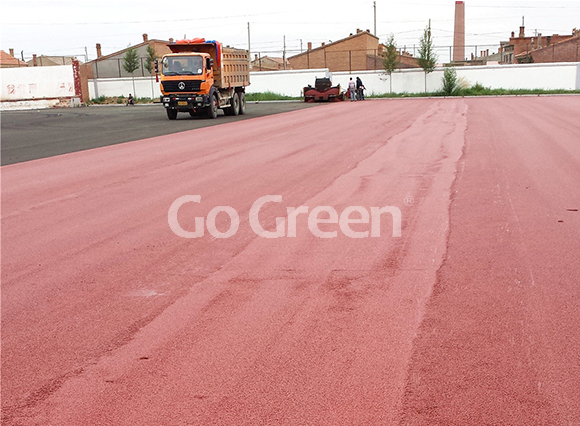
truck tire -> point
(171, 113)
(234, 108)
(212, 109)
(242, 96)
(235, 104)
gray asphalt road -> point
(30, 135)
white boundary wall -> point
(291, 82)
(31, 83)
(145, 87)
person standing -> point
(352, 90)
(360, 89)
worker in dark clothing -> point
(360, 89)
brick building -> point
(7, 60)
(357, 52)
(267, 63)
(50, 61)
(522, 46)
(111, 66)
(567, 50)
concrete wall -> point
(288, 82)
(529, 76)
(145, 87)
(291, 82)
(31, 83)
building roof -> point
(7, 60)
(121, 52)
(269, 58)
(527, 55)
(334, 43)
(44, 60)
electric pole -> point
(284, 55)
(375, 13)
(249, 54)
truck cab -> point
(199, 78)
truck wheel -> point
(235, 104)
(171, 113)
(234, 108)
(212, 109)
(242, 96)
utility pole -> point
(249, 54)
(86, 55)
(301, 46)
(375, 13)
(284, 55)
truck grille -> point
(190, 86)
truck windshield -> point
(183, 65)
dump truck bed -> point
(231, 66)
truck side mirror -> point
(209, 64)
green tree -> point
(391, 59)
(130, 64)
(427, 57)
(151, 56)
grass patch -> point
(269, 96)
(118, 100)
(478, 90)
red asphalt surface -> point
(471, 317)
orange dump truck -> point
(200, 77)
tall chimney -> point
(99, 52)
(459, 33)
(12, 52)
(523, 28)
(34, 60)
(309, 45)
(145, 38)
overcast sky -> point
(66, 27)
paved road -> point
(29, 135)
(470, 317)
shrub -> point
(450, 82)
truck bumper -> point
(185, 102)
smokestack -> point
(12, 52)
(255, 57)
(309, 45)
(99, 52)
(34, 61)
(145, 38)
(459, 33)
(523, 28)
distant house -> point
(357, 52)
(522, 49)
(50, 61)
(111, 66)
(267, 63)
(7, 60)
(567, 50)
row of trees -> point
(131, 62)
(426, 59)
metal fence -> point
(356, 60)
